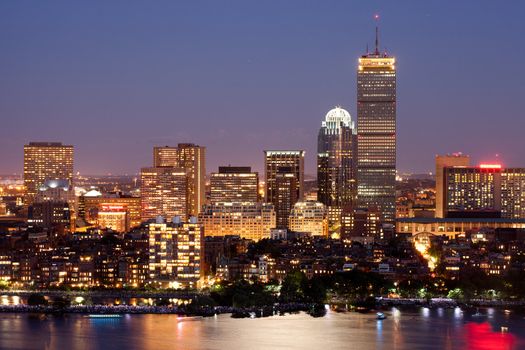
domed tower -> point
(336, 159)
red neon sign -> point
(490, 166)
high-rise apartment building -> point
(46, 161)
(443, 161)
(192, 158)
(175, 253)
(234, 184)
(163, 192)
(376, 130)
(336, 159)
(247, 220)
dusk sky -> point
(115, 78)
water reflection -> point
(402, 329)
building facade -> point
(247, 220)
(336, 159)
(234, 184)
(46, 161)
(191, 158)
(163, 192)
(376, 130)
(273, 160)
(175, 253)
(443, 161)
(310, 217)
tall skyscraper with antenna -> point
(376, 130)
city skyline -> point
(65, 91)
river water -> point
(403, 329)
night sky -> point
(115, 78)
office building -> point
(285, 195)
(336, 159)
(443, 161)
(234, 184)
(361, 222)
(276, 159)
(472, 191)
(310, 217)
(175, 253)
(95, 202)
(284, 172)
(513, 193)
(376, 130)
(191, 158)
(247, 220)
(46, 161)
(163, 192)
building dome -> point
(335, 117)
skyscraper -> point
(285, 194)
(234, 184)
(284, 182)
(273, 160)
(376, 130)
(336, 159)
(191, 158)
(46, 161)
(163, 192)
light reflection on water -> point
(403, 329)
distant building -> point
(452, 227)
(247, 220)
(336, 159)
(46, 161)
(449, 160)
(276, 159)
(361, 222)
(175, 253)
(376, 130)
(191, 158)
(109, 203)
(471, 190)
(163, 192)
(285, 195)
(53, 206)
(234, 184)
(309, 217)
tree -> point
(36, 299)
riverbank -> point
(449, 303)
(204, 311)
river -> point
(403, 329)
